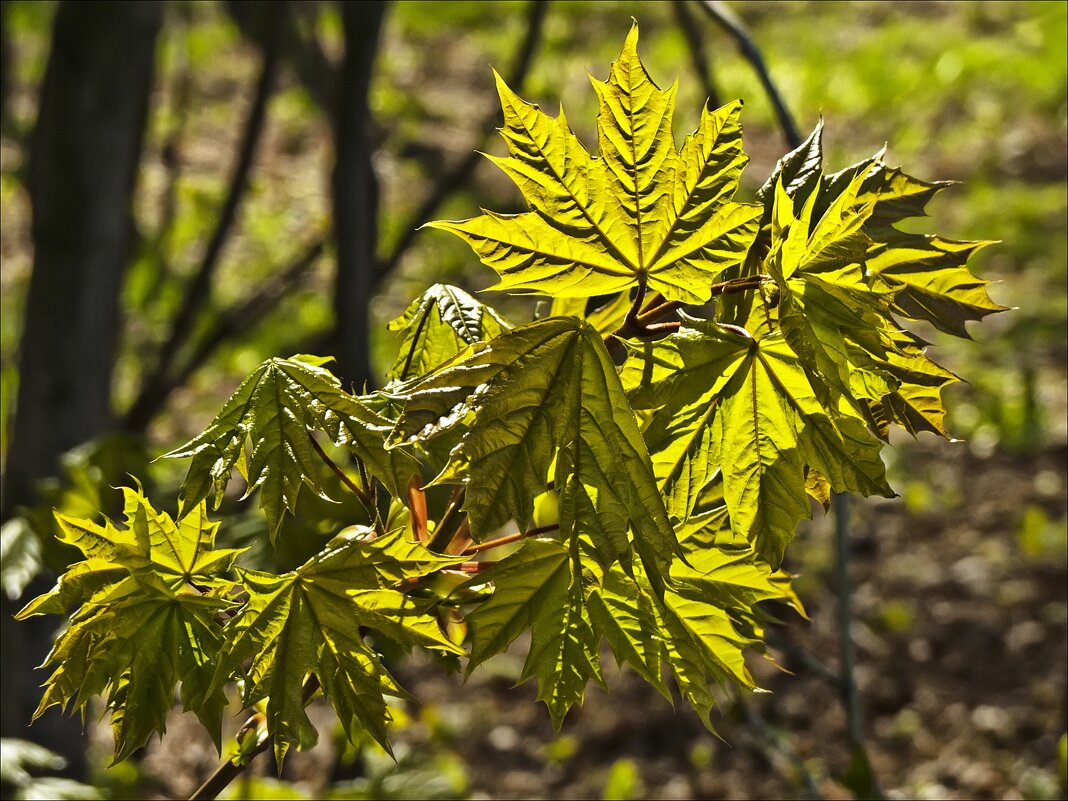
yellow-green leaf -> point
(275, 410)
(639, 213)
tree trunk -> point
(83, 166)
(355, 192)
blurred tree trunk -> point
(83, 166)
(355, 192)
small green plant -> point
(625, 470)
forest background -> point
(248, 183)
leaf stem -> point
(510, 538)
(641, 323)
(474, 567)
(417, 509)
(631, 320)
(443, 532)
(229, 770)
(365, 499)
(736, 285)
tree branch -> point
(698, 56)
(229, 770)
(232, 323)
(455, 178)
(198, 290)
(730, 22)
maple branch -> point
(729, 21)
(229, 770)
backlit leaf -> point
(546, 391)
(308, 621)
(275, 410)
(438, 325)
(640, 212)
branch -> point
(847, 683)
(729, 21)
(776, 743)
(230, 770)
(172, 162)
(455, 178)
(198, 290)
(795, 652)
(698, 56)
(358, 491)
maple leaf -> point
(640, 213)
(275, 409)
(308, 621)
(539, 588)
(147, 597)
(726, 401)
(704, 624)
(437, 326)
(542, 392)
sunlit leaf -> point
(309, 621)
(275, 410)
(437, 325)
(640, 212)
(538, 393)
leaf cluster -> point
(625, 473)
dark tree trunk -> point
(355, 192)
(83, 166)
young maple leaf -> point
(639, 213)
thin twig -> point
(701, 65)
(452, 180)
(847, 649)
(229, 770)
(795, 652)
(232, 323)
(730, 22)
(198, 290)
(774, 742)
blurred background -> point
(189, 188)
